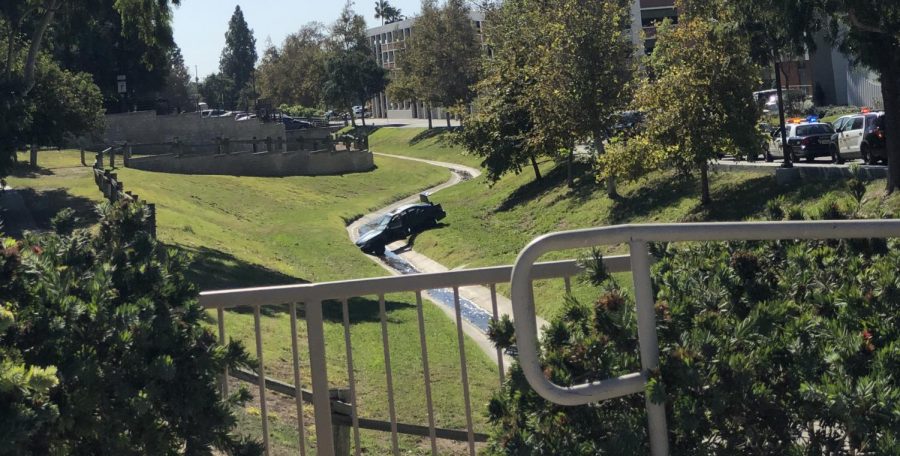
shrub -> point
(765, 347)
(300, 111)
(102, 348)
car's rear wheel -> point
(866, 156)
(769, 157)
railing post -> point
(341, 432)
(112, 157)
(319, 373)
(649, 344)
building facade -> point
(826, 75)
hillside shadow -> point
(45, 204)
(427, 134)
(652, 196)
(26, 171)
(216, 270)
(585, 185)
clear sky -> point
(200, 25)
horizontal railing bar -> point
(343, 411)
(393, 284)
(409, 429)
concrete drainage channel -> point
(470, 311)
(399, 259)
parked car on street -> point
(874, 147)
(862, 136)
(806, 140)
(398, 224)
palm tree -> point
(382, 9)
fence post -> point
(83, 162)
(111, 187)
(127, 156)
(279, 144)
(318, 368)
(112, 157)
(226, 145)
(649, 344)
(340, 431)
(179, 148)
(254, 144)
(268, 144)
(120, 189)
(152, 219)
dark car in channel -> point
(398, 224)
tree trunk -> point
(36, 39)
(704, 184)
(447, 114)
(363, 116)
(570, 178)
(537, 169)
(784, 144)
(611, 191)
(429, 116)
(33, 158)
(890, 91)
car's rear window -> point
(879, 122)
(814, 129)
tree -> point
(64, 105)
(239, 56)
(351, 73)
(868, 31)
(215, 90)
(294, 73)
(352, 77)
(698, 100)
(177, 90)
(442, 55)
(104, 332)
(582, 74)
(387, 12)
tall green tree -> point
(65, 104)
(868, 31)
(294, 72)
(352, 76)
(239, 57)
(177, 92)
(442, 56)
(216, 89)
(697, 100)
(387, 13)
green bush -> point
(300, 111)
(788, 348)
(102, 348)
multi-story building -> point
(387, 42)
(826, 74)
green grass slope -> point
(488, 225)
(263, 231)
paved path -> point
(478, 295)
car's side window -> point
(857, 123)
(839, 125)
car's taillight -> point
(807, 141)
(879, 134)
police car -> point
(806, 138)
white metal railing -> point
(329, 409)
(637, 237)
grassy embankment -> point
(489, 225)
(263, 231)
